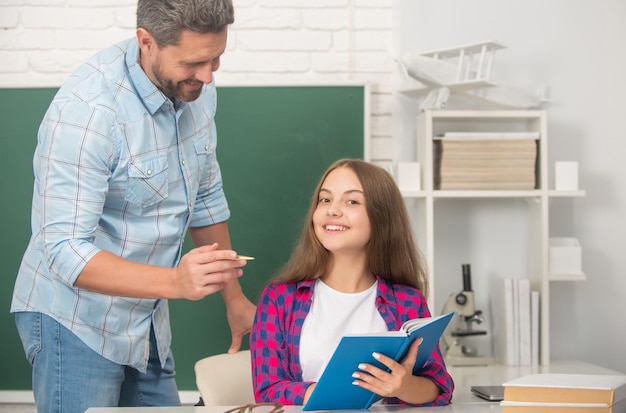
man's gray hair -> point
(165, 19)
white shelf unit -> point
(431, 123)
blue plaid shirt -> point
(118, 167)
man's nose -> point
(204, 75)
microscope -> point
(462, 303)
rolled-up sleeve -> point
(71, 171)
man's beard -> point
(174, 90)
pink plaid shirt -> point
(275, 339)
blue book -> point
(335, 390)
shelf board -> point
(483, 114)
(473, 194)
(532, 193)
(413, 194)
(567, 277)
(554, 193)
(470, 193)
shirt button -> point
(149, 172)
(190, 205)
(183, 161)
(206, 147)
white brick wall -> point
(271, 41)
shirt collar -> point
(147, 92)
(306, 285)
(385, 292)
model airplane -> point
(464, 70)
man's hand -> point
(204, 271)
(239, 310)
(240, 314)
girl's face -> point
(340, 219)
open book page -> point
(416, 323)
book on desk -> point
(538, 393)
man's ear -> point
(145, 40)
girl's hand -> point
(395, 383)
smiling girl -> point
(356, 269)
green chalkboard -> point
(274, 143)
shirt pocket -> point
(202, 147)
(203, 158)
(147, 181)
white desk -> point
(463, 401)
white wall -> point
(578, 49)
(271, 41)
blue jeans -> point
(69, 377)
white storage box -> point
(565, 256)
(409, 176)
(566, 176)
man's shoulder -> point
(103, 72)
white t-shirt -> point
(332, 315)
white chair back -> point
(225, 379)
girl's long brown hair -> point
(391, 252)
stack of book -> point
(485, 160)
(565, 393)
(515, 322)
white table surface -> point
(463, 401)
